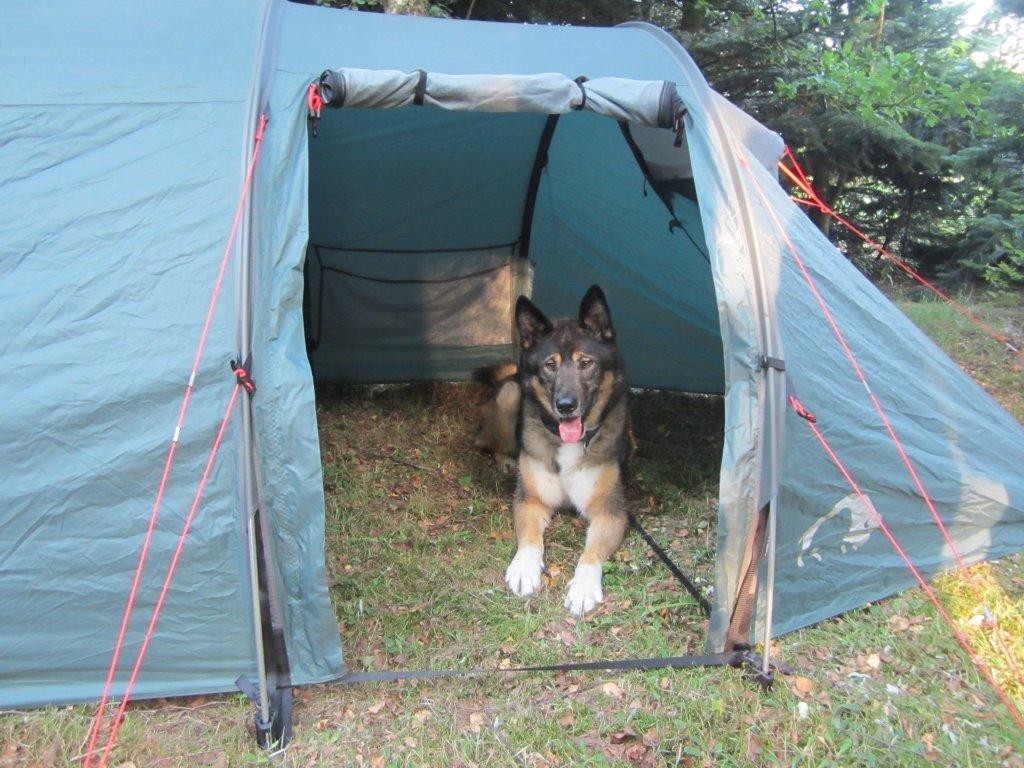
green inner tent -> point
(415, 278)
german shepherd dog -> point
(570, 401)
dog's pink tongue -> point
(571, 430)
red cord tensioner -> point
(243, 375)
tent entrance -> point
(426, 224)
(419, 532)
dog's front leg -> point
(531, 518)
(604, 535)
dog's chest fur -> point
(573, 482)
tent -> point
(467, 162)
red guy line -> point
(815, 201)
(857, 369)
(800, 181)
(171, 568)
(172, 450)
(981, 666)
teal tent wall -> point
(120, 165)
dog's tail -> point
(496, 374)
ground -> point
(418, 536)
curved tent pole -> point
(773, 396)
(257, 537)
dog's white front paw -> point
(584, 589)
(523, 573)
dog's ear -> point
(531, 323)
(594, 315)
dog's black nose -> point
(566, 404)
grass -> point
(988, 362)
(418, 536)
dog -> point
(498, 433)
(566, 411)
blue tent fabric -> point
(126, 134)
(120, 170)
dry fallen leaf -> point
(803, 686)
(899, 623)
(612, 689)
(639, 755)
(621, 737)
(421, 715)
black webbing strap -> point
(421, 88)
(583, 92)
(663, 555)
(732, 658)
(313, 340)
(540, 162)
(645, 169)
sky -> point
(1010, 50)
(976, 9)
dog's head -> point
(570, 367)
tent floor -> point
(419, 532)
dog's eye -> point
(584, 363)
(551, 364)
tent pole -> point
(251, 506)
(254, 584)
(770, 438)
(769, 593)
(774, 385)
(243, 296)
